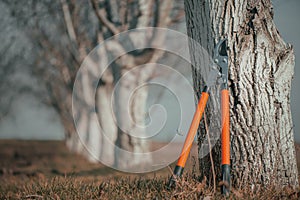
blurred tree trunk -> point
(130, 107)
(261, 67)
(119, 127)
(106, 119)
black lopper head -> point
(221, 59)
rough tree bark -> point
(261, 67)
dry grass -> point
(128, 188)
(30, 170)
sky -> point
(33, 120)
(286, 17)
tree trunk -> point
(98, 143)
(261, 67)
(107, 123)
(129, 77)
(130, 101)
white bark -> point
(62, 51)
(130, 101)
(108, 125)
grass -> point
(128, 188)
(31, 170)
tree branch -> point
(68, 21)
(100, 13)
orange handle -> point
(193, 129)
(225, 137)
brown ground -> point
(47, 170)
(21, 158)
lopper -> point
(221, 60)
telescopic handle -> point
(190, 137)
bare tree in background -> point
(261, 67)
(12, 55)
(64, 32)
